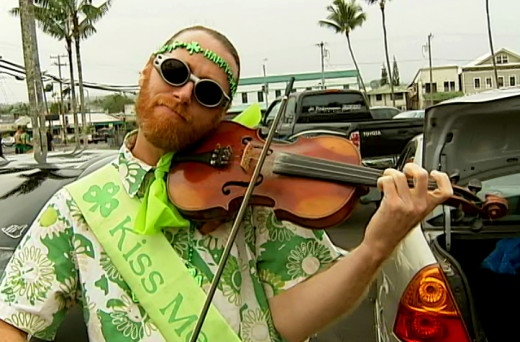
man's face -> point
(170, 117)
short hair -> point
(215, 34)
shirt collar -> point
(132, 171)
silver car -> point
(456, 276)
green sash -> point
(148, 263)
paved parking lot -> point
(359, 325)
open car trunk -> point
(475, 139)
(488, 300)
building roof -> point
(482, 58)
(387, 90)
(297, 77)
(414, 80)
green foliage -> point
(113, 103)
(54, 108)
(395, 74)
(442, 96)
(344, 16)
(19, 109)
(384, 76)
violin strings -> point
(320, 168)
(309, 171)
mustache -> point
(172, 104)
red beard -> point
(166, 131)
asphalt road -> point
(359, 325)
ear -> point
(145, 73)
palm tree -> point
(382, 7)
(83, 15)
(71, 20)
(491, 44)
(343, 18)
(33, 78)
(53, 20)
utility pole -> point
(321, 45)
(33, 79)
(491, 45)
(430, 36)
(61, 109)
(266, 85)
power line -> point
(49, 77)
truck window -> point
(332, 107)
(288, 116)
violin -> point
(314, 182)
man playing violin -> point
(113, 243)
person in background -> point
(49, 140)
(18, 140)
(25, 140)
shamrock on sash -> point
(102, 198)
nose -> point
(184, 93)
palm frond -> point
(344, 16)
(331, 24)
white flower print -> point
(306, 259)
(31, 274)
(51, 222)
(255, 326)
(130, 320)
(67, 295)
(109, 268)
(128, 173)
(27, 322)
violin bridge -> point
(247, 157)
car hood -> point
(475, 136)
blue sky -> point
(283, 32)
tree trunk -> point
(73, 94)
(33, 79)
(357, 69)
(80, 81)
(382, 7)
(491, 44)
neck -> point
(145, 151)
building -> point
(445, 84)
(264, 90)
(382, 96)
(479, 75)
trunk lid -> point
(477, 137)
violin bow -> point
(241, 212)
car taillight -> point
(427, 311)
(355, 139)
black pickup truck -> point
(344, 113)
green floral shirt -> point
(60, 262)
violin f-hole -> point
(226, 187)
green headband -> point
(195, 47)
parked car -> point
(419, 113)
(384, 112)
(8, 141)
(438, 285)
(25, 187)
